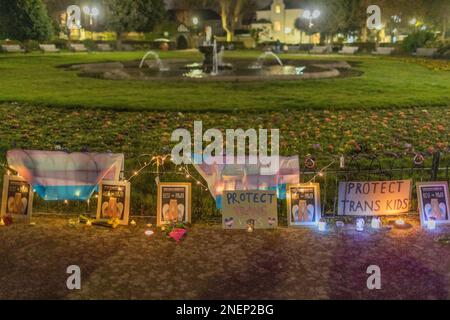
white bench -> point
(12, 48)
(321, 49)
(78, 47)
(104, 47)
(426, 52)
(127, 47)
(384, 51)
(349, 50)
(48, 48)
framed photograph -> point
(114, 200)
(173, 202)
(433, 201)
(303, 204)
(17, 198)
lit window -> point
(277, 26)
(277, 8)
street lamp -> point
(195, 21)
(91, 12)
(307, 14)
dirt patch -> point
(211, 263)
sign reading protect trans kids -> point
(255, 209)
(374, 198)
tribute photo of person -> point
(433, 200)
(174, 202)
(17, 199)
(114, 201)
(303, 204)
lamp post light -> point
(92, 13)
(307, 14)
(414, 22)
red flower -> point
(177, 234)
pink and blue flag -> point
(58, 175)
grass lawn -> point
(386, 82)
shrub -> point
(90, 44)
(24, 20)
(418, 39)
(31, 45)
(61, 43)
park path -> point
(214, 264)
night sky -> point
(262, 3)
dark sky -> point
(261, 3)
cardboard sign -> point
(17, 199)
(303, 204)
(433, 201)
(241, 209)
(374, 198)
(174, 202)
(114, 200)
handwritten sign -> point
(374, 198)
(242, 209)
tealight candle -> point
(360, 224)
(376, 223)
(431, 224)
(322, 225)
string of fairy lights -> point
(159, 161)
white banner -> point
(374, 198)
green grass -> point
(386, 83)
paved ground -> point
(211, 263)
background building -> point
(277, 22)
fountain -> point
(262, 57)
(235, 69)
(159, 62)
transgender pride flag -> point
(57, 175)
(230, 176)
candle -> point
(376, 223)
(322, 225)
(431, 224)
(360, 224)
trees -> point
(25, 20)
(438, 14)
(133, 15)
(232, 12)
(229, 12)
